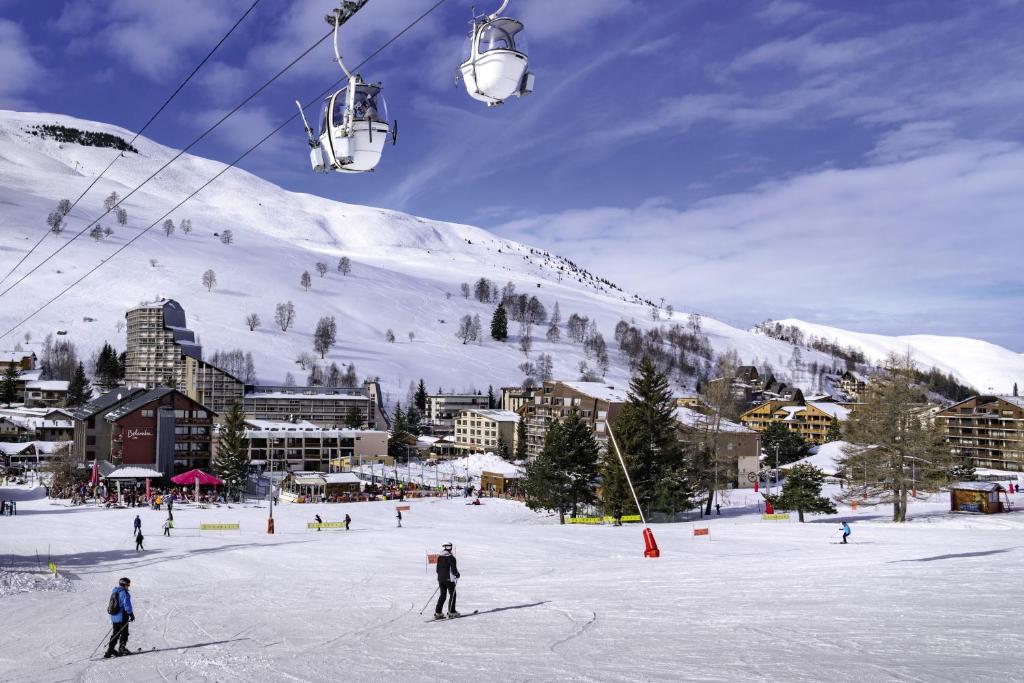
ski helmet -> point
(124, 581)
(447, 546)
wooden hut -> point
(978, 496)
(499, 484)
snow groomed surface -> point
(936, 599)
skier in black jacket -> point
(447, 575)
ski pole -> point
(430, 598)
(105, 636)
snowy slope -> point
(984, 366)
(404, 268)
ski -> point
(461, 616)
(138, 651)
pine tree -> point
(646, 432)
(1015, 389)
(563, 476)
(78, 388)
(802, 491)
(791, 446)
(835, 432)
(400, 439)
(9, 388)
(499, 324)
(421, 397)
(353, 419)
(232, 462)
(490, 397)
(502, 449)
(521, 452)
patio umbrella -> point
(196, 477)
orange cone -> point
(650, 545)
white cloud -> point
(22, 73)
(897, 247)
(807, 53)
(567, 20)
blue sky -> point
(849, 163)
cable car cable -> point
(266, 137)
(140, 132)
(171, 161)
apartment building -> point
(597, 403)
(19, 359)
(304, 446)
(810, 419)
(163, 352)
(515, 398)
(47, 393)
(92, 431)
(486, 431)
(737, 446)
(442, 409)
(987, 430)
(333, 407)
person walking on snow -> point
(138, 540)
(348, 520)
(846, 531)
(318, 521)
(399, 518)
(120, 619)
(167, 527)
(447, 575)
(137, 528)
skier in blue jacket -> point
(120, 620)
(846, 531)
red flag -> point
(147, 488)
(95, 478)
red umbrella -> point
(196, 477)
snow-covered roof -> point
(496, 415)
(14, 356)
(599, 390)
(691, 418)
(340, 478)
(791, 412)
(312, 433)
(977, 486)
(308, 479)
(1015, 400)
(134, 472)
(30, 375)
(48, 384)
(15, 448)
(301, 395)
(281, 425)
(833, 409)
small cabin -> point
(499, 484)
(979, 497)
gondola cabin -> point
(495, 64)
(352, 130)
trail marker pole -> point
(650, 546)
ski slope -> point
(933, 600)
(406, 272)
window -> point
(147, 413)
(90, 440)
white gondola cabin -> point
(495, 65)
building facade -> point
(597, 403)
(163, 352)
(19, 359)
(442, 409)
(515, 398)
(483, 430)
(810, 419)
(47, 393)
(988, 431)
(162, 429)
(92, 431)
(737, 447)
(309, 448)
(331, 407)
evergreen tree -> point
(521, 452)
(1015, 389)
(802, 491)
(421, 397)
(646, 433)
(615, 498)
(108, 370)
(545, 484)
(78, 388)
(835, 432)
(791, 445)
(232, 462)
(490, 397)
(400, 439)
(353, 419)
(963, 472)
(563, 476)
(502, 449)
(499, 324)
(412, 420)
(9, 388)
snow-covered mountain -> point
(406, 274)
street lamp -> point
(270, 519)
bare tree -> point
(64, 207)
(464, 288)
(111, 201)
(306, 281)
(55, 220)
(209, 280)
(97, 232)
(107, 231)
(477, 329)
(284, 315)
(344, 265)
(122, 216)
(186, 225)
(321, 268)
(389, 336)
(289, 379)
(545, 367)
(253, 321)
(227, 237)
(326, 335)
(305, 360)
(465, 331)
(525, 339)
(168, 227)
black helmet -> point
(124, 581)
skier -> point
(348, 520)
(137, 528)
(122, 615)
(138, 540)
(447, 575)
(846, 531)
(167, 527)
(399, 517)
(318, 521)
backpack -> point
(114, 603)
